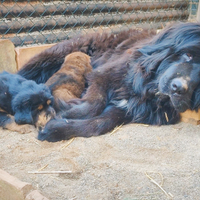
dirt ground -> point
(136, 162)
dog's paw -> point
(55, 130)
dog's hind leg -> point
(62, 129)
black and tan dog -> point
(26, 102)
(21, 101)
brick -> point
(7, 56)
(35, 195)
(23, 54)
(12, 188)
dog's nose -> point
(179, 86)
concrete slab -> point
(7, 56)
(12, 188)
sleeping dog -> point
(153, 84)
(69, 82)
(158, 80)
(26, 102)
(21, 101)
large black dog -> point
(138, 77)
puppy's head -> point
(79, 60)
(31, 102)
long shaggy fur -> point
(16, 102)
(137, 77)
(24, 101)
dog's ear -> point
(150, 62)
(170, 41)
(22, 109)
(148, 59)
(150, 55)
(23, 116)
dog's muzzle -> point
(44, 117)
(178, 86)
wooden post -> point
(198, 13)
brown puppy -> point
(67, 83)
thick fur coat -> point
(25, 102)
(137, 77)
(21, 101)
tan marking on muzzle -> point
(40, 107)
(43, 118)
(184, 82)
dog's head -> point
(180, 77)
(180, 82)
(172, 59)
(33, 104)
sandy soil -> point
(124, 165)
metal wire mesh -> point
(27, 22)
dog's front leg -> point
(63, 129)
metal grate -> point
(32, 22)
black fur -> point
(9, 86)
(32, 99)
(19, 101)
(134, 80)
(100, 46)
